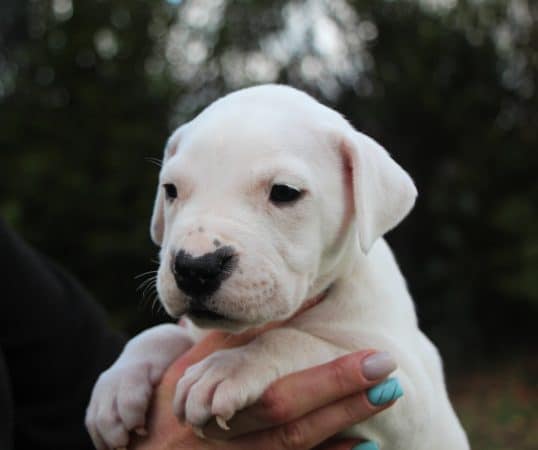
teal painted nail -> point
(366, 446)
(385, 392)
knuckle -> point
(106, 376)
(356, 409)
(181, 386)
(275, 407)
(292, 436)
(351, 412)
(130, 375)
(134, 404)
(105, 382)
(99, 383)
(106, 421)
(191, 369)
(89, 422)
(339, 376)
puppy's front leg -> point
(121, 396)
(229, 380)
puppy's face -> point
(253, 206)
(246, 221)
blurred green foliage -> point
(90, 90)
(497, 405)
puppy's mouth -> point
(200, 312)
(206, 315)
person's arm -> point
(54, 342)
(300, 411)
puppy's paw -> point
(118, 405)
(220, 385)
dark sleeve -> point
(6, 407)
(54, 342)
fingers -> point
(300, 393)
(315, 427)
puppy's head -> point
(260, 198)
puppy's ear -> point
(383, 192)
(157, 218)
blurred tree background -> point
(89, 91)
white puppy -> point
(271, 207)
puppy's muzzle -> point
(200, 277)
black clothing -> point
(54, 342)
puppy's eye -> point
(171, 191)
(283, 193)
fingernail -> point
(385, 392)
(366, 446)
(377, 365)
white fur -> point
(223, 164)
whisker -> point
(150, 297)
(156, 304)
(145, 283)
(145, 288)
(151, 288)
(140, 275)
(156, 161)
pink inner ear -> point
(347, 179)
(173, 142)
(171, 151)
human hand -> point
(300, 411)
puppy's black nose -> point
(201, 276)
